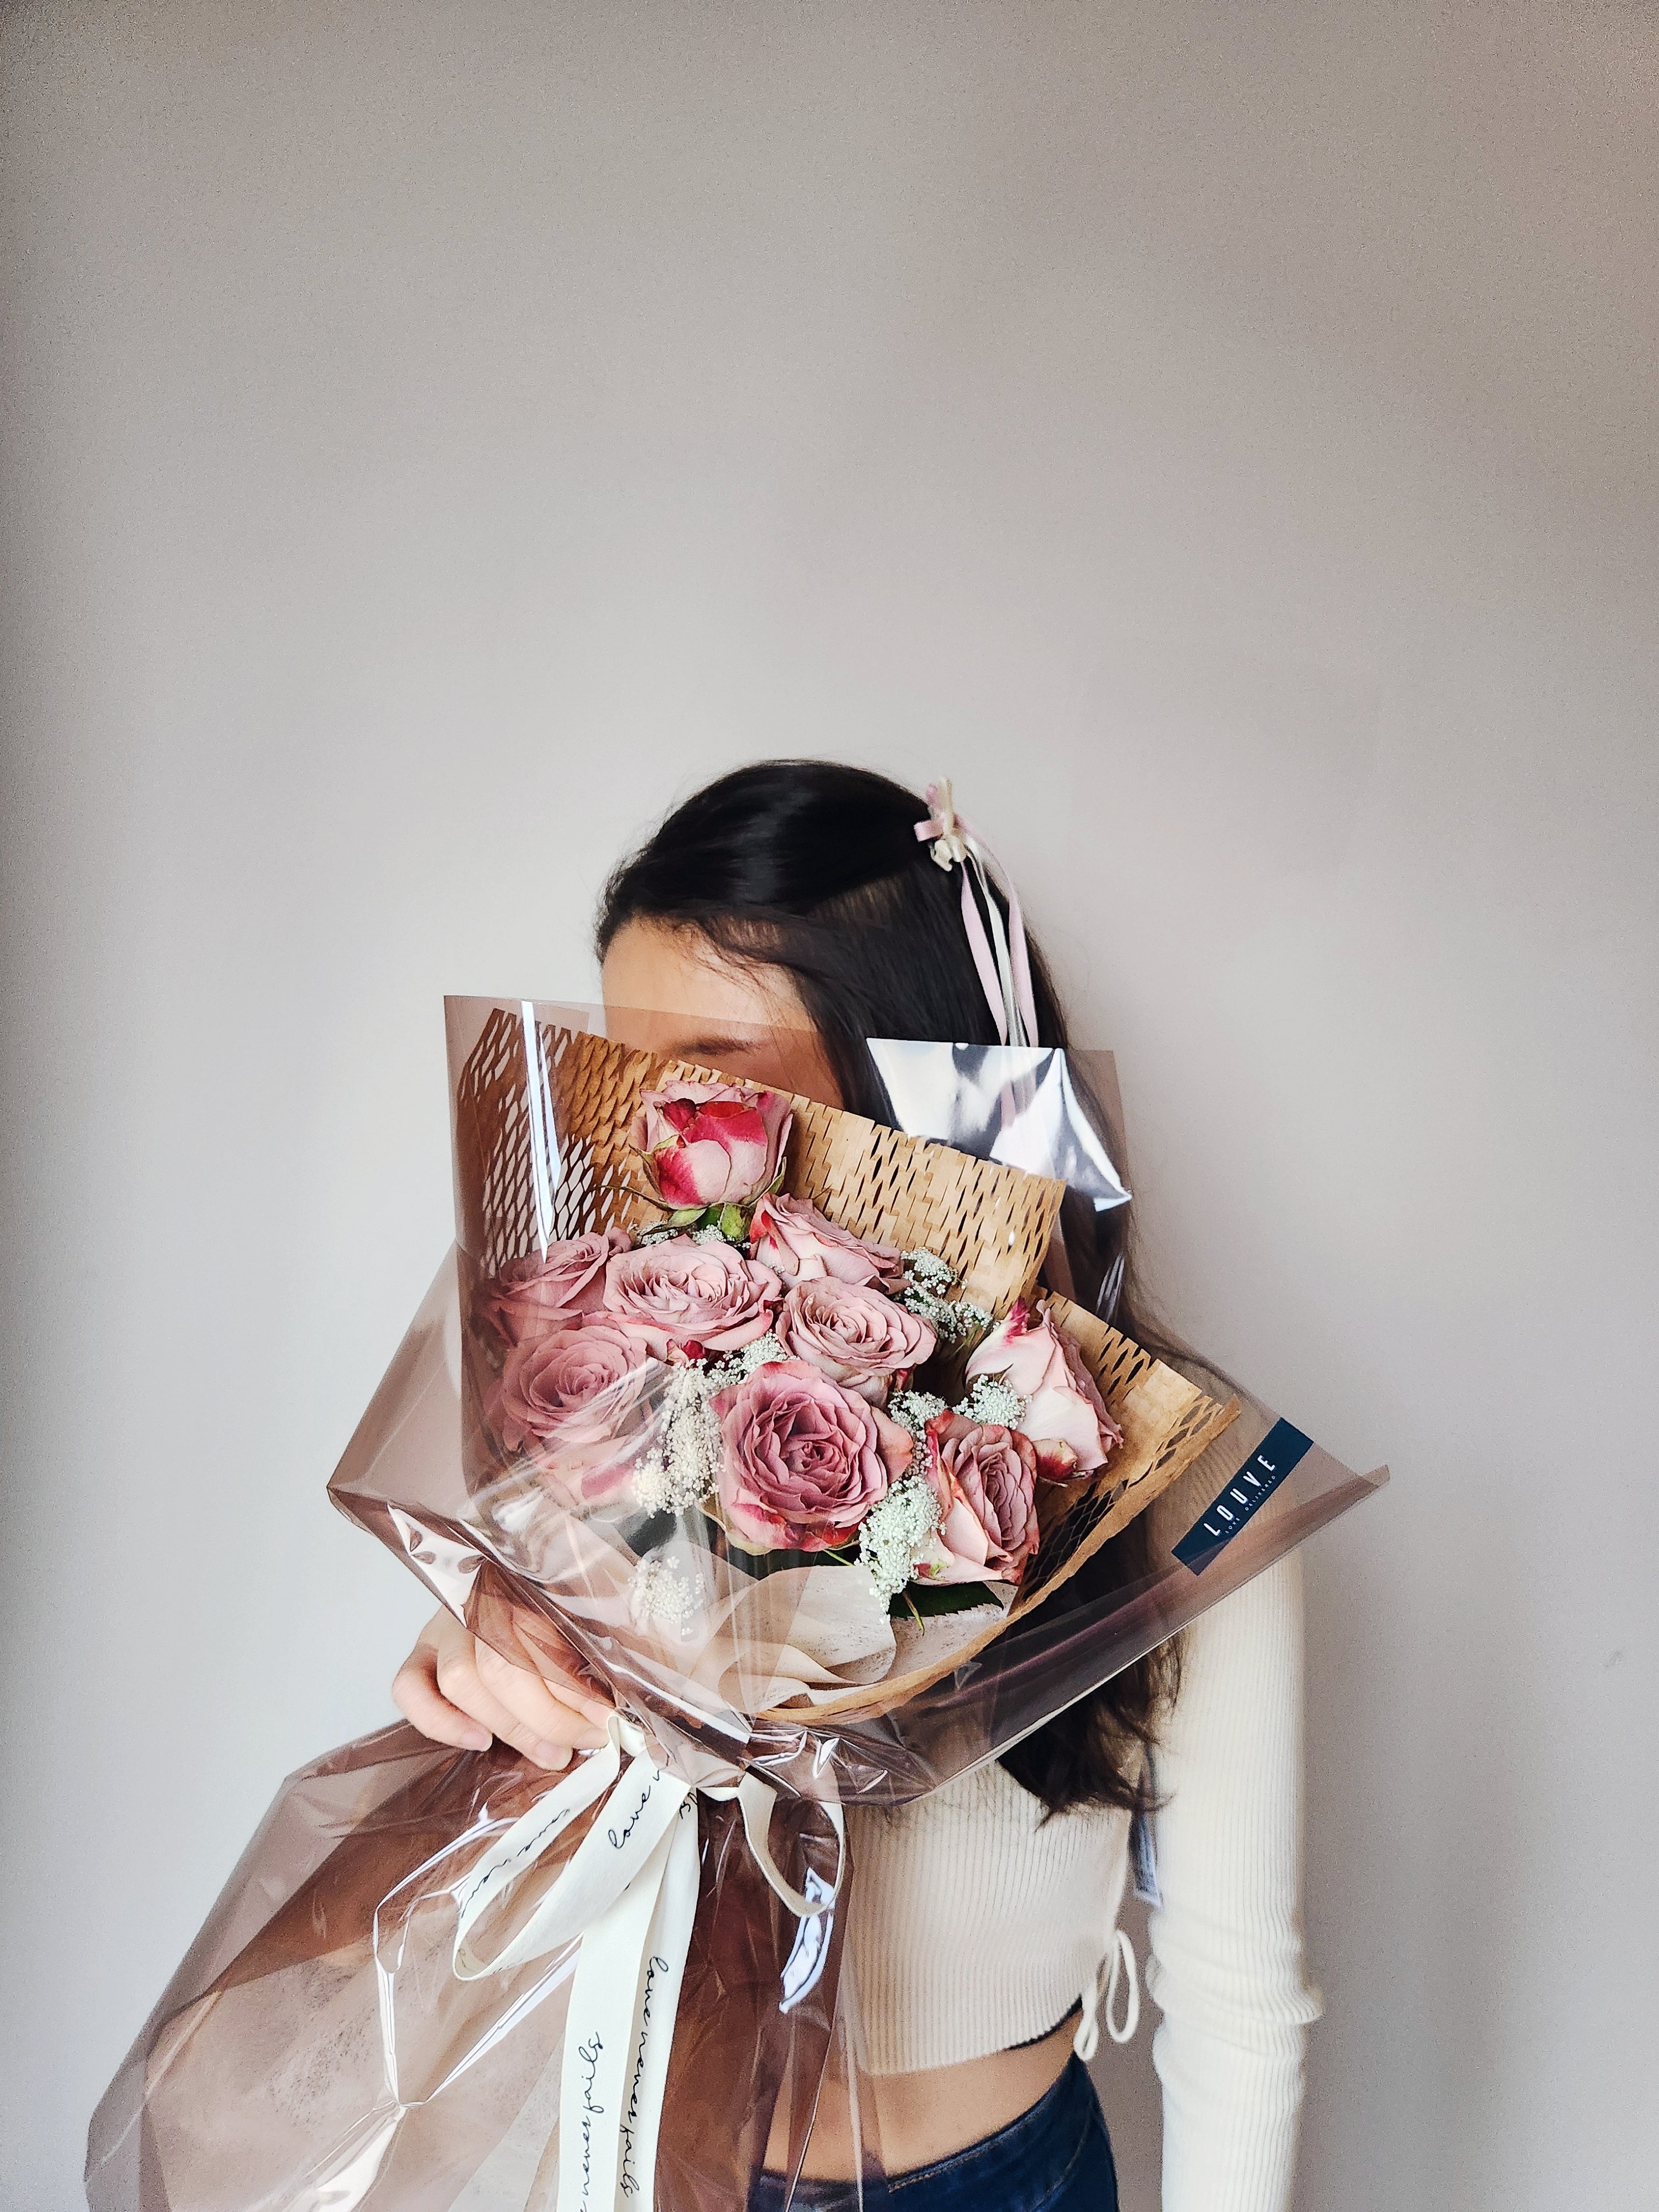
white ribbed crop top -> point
(975, 1924)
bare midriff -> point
(921, 2118)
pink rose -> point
(530, 1296)
(984, 1477)
(1065, 1416)
(568, 1399)
(680, 1292)
(804, 1460)
(794, 1238)
(709, 1144)
(852, 1334)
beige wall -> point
(1223, 437)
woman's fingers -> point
(553, 1714)
(416, 1693)
(545, 1737)
(459, 1691)
(560, 1664)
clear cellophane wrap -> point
(375, 2014)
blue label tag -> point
(1279, 1450)
(1143, 1861)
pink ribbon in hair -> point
(1004, 965)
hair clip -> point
(1004, 973)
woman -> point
(793, 901)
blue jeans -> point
(1055, 2158)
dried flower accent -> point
(927, 1272)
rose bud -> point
(678, 1293)
(1064, 1408)
(708, 1144)
(792, 1236)
(803, 1459)
(984, 1477)
(853, 1335)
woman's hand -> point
(458, 1690)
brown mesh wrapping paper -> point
(991, 1224)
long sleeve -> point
(1226, 1968)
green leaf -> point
(731, 1224)
(759, 1564)
(929, 1598)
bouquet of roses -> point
(764, 1396)
(800, 1411)
(757, 1412)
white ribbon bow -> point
(629, 1891)
(1006, 975)
(1119, 1960)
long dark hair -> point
(816, 869)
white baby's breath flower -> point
(895, 1530)
(913, 1410)
(957, 1320)
(656, 1232)
(659, 1593)
(929, 1273)
(990, 1399)
(928, 1280)
(738, 1366)
(680, 1472)
(651, 1492)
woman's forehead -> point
(670, 992)
(678, 971)
(691, 992)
